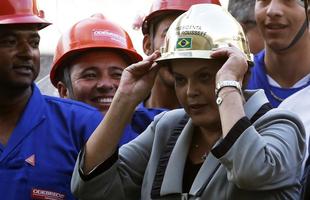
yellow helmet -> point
(201, 30)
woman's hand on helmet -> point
(235, 66)
(138, 79)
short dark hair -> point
(156, 21)
(242, 10)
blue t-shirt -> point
(259, 80)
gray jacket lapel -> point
(205, 174)
(173, 178)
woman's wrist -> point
(125, 99)
(225, 75)
(227, 83)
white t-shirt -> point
(299, 103)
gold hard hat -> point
(201, 30)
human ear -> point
(147, 45)
(62, 90)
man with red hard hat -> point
(40, 136)
(89, 60)
(88, 63)
(154, 28)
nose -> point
(275, 8)
(106, 85)
(192, 89)
(25, 50)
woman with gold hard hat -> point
(225, 144)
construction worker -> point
(40, 136)
(223, 145)
(298, 104)
(88, 63)
(89, 60)
(243, 11)
(283, 67)
(154, 28)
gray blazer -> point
(264, 162)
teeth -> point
(275, 26)
(104, 100)
(24, 67)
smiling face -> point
(279, 21)
(20, 56)
(95, 77)
(195, 85)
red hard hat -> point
(160, 7)
(93, 32)
(21, 12)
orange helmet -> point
(93, 32)
(21, 12)
(162, 7)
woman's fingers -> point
(226, 52)
(235, 66)
(145, 65)
(153, 56)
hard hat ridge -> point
(201, 30)
(163, 7)
(21, 12)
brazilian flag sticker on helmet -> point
(184, 43)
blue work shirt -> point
(39, 158)
(141, 118)
(259, 80)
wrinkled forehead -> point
(300, 2)
(18, 27)
(19, 32)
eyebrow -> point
(115, 67)
(5, 33)
(35, 35)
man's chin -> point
(21, 85)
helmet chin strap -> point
(306, 10)
(300, 33)
(152, 36)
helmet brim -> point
(192, 54)
(25, 19)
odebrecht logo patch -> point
(39, 194)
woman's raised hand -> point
(235, 66)
(138, 79)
